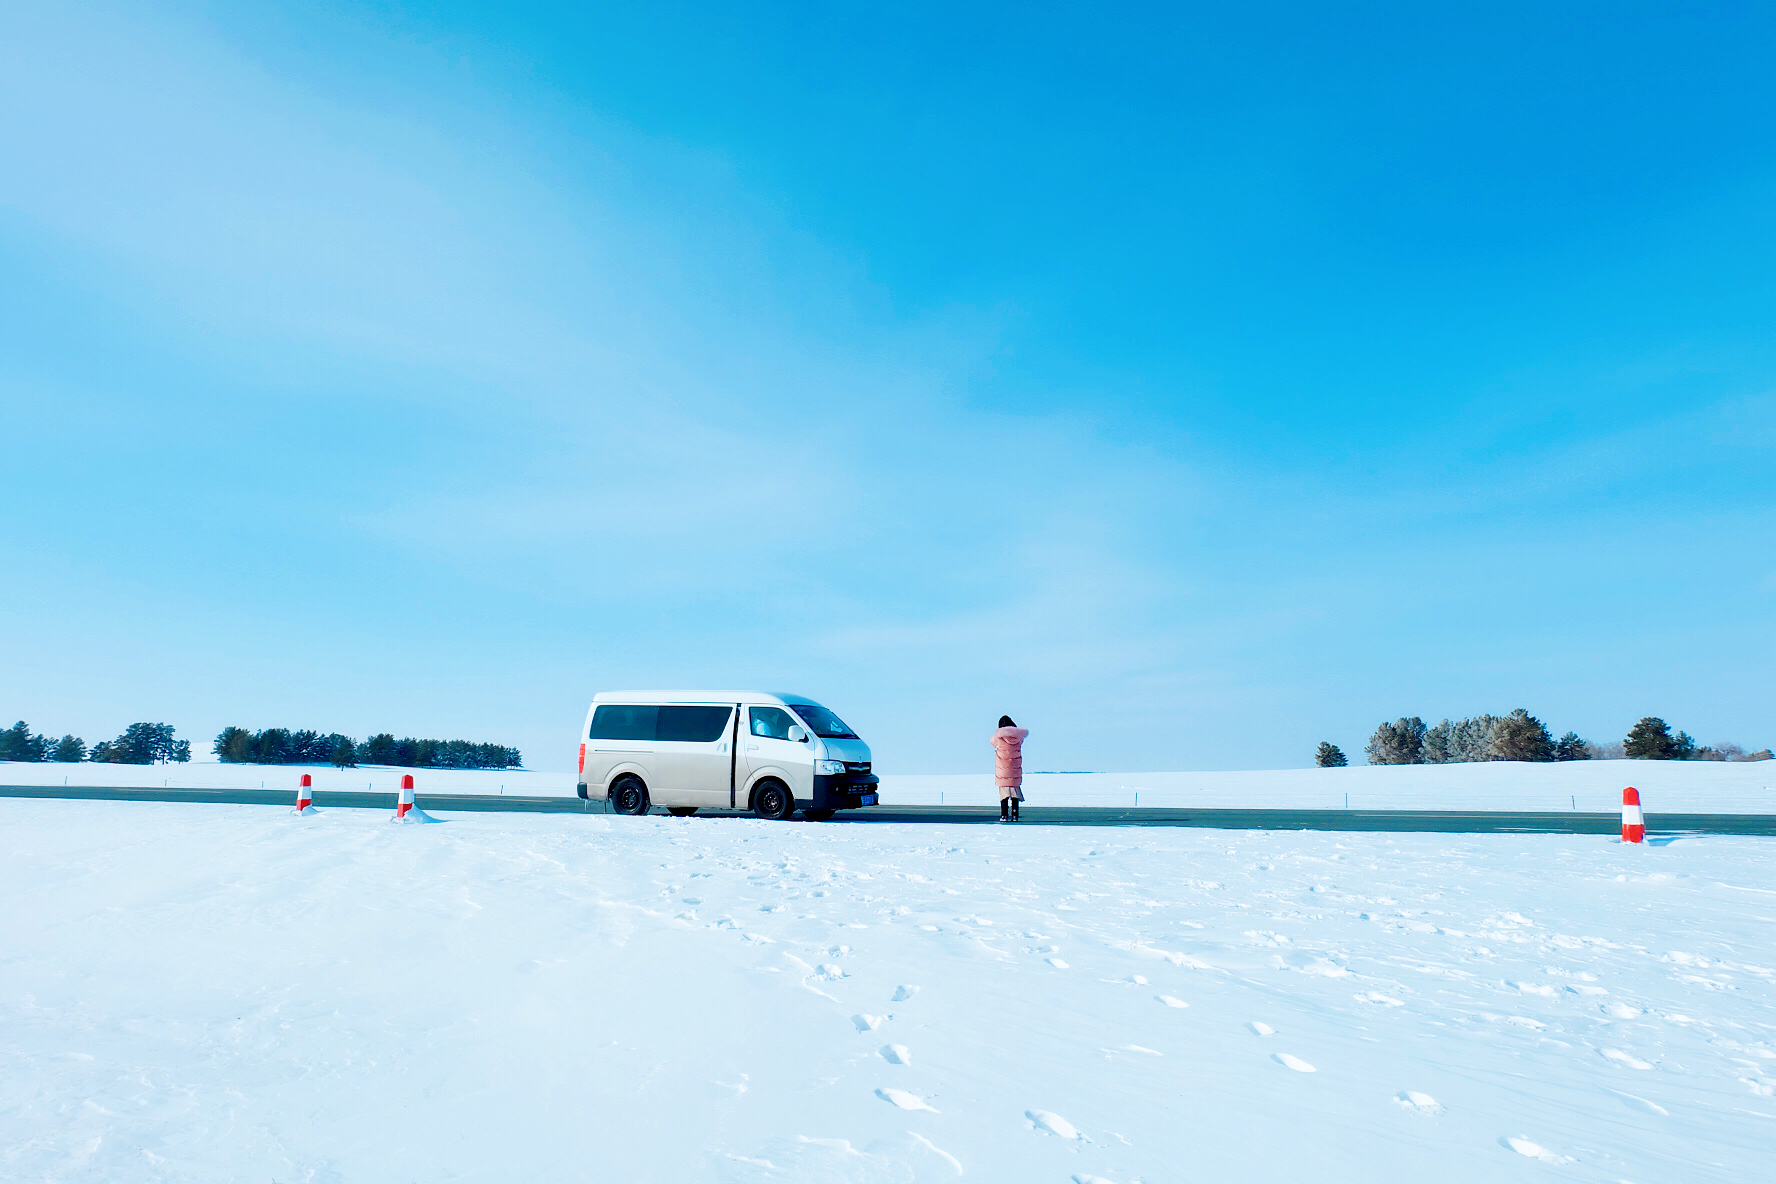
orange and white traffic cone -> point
(1633, 821)
(405, 806)
(305, 795)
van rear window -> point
(695, 725)
(698, 725)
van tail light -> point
(582, 760)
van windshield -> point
(822, 722)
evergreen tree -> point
(1520, 736)
(147, 743)
(180, 752)
(69, 748)
(378, 750)
(1328, 757)
(1474, 738)
(305, 748)
(1463, 740)
(113, 752)
(345, 752)
(1570, 748)
(18, 743)
(1650, 740)
(271, 747)
(1398, 743)
(234, 746)
(1435, 749)
(140, 744)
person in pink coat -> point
(1008, 767)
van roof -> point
(700, 697)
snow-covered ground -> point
(1666, 786)
(196, 992)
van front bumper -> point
(846, 791)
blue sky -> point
(1192, 383)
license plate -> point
(868, 799)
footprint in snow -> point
(904, 992)
(1057, 963)
(1413, 1100)
(1054, 1124)
(1622, 1058)
(867, 1023)
(1138, 979)
(1295, 1063)
(1523, 1146)
(896, 1054)
(1621, 1011)
(1171, 1002)
(1261, 1028)
(905, 1101)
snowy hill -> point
(229, 992)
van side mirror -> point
(797, 734)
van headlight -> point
(830, 768)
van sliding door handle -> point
(752, 748)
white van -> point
(730, 750)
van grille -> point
(857, 766)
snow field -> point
(229, 992)
(1713, 787)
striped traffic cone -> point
(305, 796)
(405, 806)
(1633, 821)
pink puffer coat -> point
(1008, 764)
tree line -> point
(1520, 736)
(149, 744)
(282, 746)
(140, 744)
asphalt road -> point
(1449, 821)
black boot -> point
(1014, 809)
(1004, 809)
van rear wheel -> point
(681, 811)
(774, 801)
(630, 796)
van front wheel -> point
(629, 796)
(681, 811)
(773, 801)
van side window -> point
(772, 722)
(613, 722)
(696, 725)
